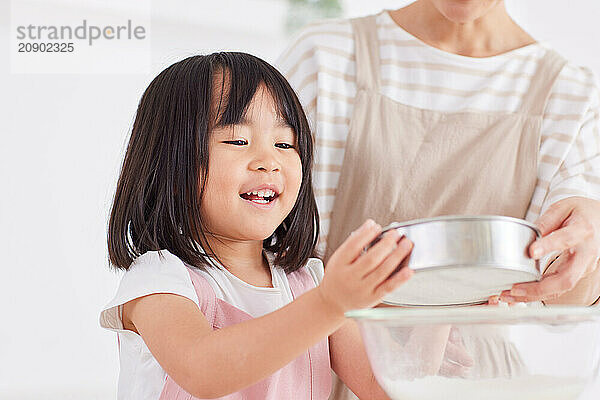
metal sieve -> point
(463, 260)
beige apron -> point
(403, 163)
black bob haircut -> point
(157, 199)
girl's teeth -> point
(262, 193)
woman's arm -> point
(571, 223)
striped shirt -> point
(320, 65)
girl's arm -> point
(434, 350)
(211, 364)
(350, 363)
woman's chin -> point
(462, 12)
(461, 16)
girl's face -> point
(463, 11)
(254, 174)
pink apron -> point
(306, 377)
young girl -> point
(215, 223)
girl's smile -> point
(263, 196)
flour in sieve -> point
(456, 285)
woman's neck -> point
(492, 34)
(243, 259)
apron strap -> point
(300, 282)
(366, 45)
(538, 93)
(206, 296)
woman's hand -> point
(354, 279)
(457, 360)
(427, 350)
(570, 226)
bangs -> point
(236, 83)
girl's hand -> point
(354, 279)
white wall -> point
(62, 141)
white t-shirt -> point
(140, 376)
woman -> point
(449, 107)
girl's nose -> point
(265, 163)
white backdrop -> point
(63, 137)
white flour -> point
(456, 285)
(538, 387)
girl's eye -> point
(284, 146)
(236, 142)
